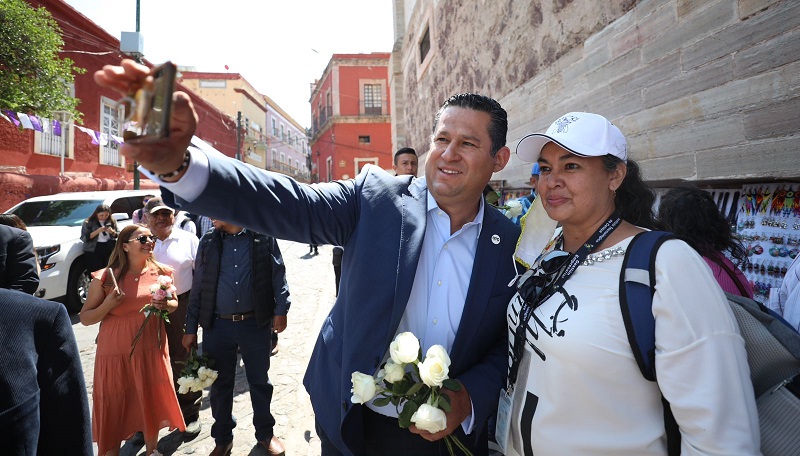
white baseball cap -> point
(582, 133)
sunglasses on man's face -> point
(144, 239)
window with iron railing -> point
(373, 102)
(51, 143)
(110, 124)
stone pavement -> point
(312, 289)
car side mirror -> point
(119, 216)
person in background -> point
(240, 296)
(405, 162)
(176, 248)
(408, 229)
(185, 222)
(133, 386)
(14, 221)
(575, 385)
(692, 215)
(43, 404)
(202, 223)
(98, 233)
(138, 215)
(785, 300)
(519, 207)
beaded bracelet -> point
(186, 158)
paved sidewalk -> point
(312, 288)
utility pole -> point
(138, 59)
(239, 135)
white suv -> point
(54, 222)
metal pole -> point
(238, 135)
(136, 180)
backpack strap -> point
(637, 285)
(636, 290)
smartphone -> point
(148, 114)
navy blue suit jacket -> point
(17, 261)
(380, 220)
(43, 403)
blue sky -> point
(280, 47)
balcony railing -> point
(289, 170)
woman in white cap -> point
(574, 384)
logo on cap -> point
(563, 123)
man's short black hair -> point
(403, 151)
(498, 126)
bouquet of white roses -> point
(414, 383)
(162, 289)
(197, 374)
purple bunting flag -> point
(37, 125)
(12, 115)
(56, 127)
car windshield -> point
(56, 213)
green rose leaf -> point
(452, 385)
(404, 420)
(444, 403)
(414, 389)
(380, 402)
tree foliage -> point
(33, 79)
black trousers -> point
(189, 402)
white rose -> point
(202, 373)
(212, 374)
(434, 369)
(183, 384)
(429, 418)
(437, 351)
(404, 348)
(393, 372)
(364, 388)
(514, 209)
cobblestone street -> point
(312, 289)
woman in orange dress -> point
(131, 392)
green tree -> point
(33, 79)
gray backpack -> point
(773, 350)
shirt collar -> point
(478, 221)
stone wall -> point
(705, 90)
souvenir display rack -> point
(768, 223)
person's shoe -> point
(274, 447)
(192, 430)
(274, 350)
(222, 450)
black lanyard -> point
(563, 273)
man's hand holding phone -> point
(164, 152)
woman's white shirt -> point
(584, 393)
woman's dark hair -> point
(634, 199)
(103, 208)
(693, 216)
(12, 220)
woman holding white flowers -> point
(133, 390)
(575, 385)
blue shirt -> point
(235, 283)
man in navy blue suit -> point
(439, 261)
(43, 403)
(17, 260)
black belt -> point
(237, 317)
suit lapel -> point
(484, 270)
(412, 232)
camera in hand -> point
(148, 108)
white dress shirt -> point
(178, 250)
